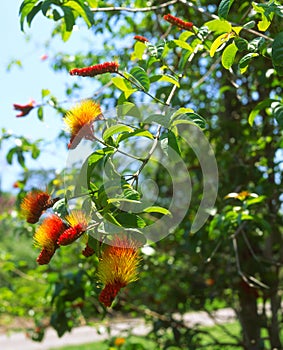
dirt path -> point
(81, 335)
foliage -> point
(223, 76)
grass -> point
(138, 343)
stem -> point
(140, 87)
(118, 150)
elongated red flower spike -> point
(46, 237)
(78, 225)
(107, 67)
(79, 121)
(24, 109)
(34, 204)
(88, 251)
(140, 38)
(178, 22)
(117, 268)
(45, 256)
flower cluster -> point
(107, 67)
(118, 265)
(53, 232)
(79, 121)
(24, 109)
(140, 38)
(117, 268)
(178, 22)
(35, 203)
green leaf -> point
(121, 199)
(244, 62)
(40, 113)
(45, 92)
(167, 78)
(10, 154)
(267, 12)
(190, 118)
(181, 111)
(115, 129)
(173, 143)
(277, 110)
(33, 13)
(242, 44)
(123, 85)
(260, 106)
(92, 3)
(129, 220)
(82, 10)
(185, 35)
(228, 55)
(249, 25)
(160, 119)
(156, 209)
(60, 208)
(139, 49)
(136, 133)
(219, 26)
(46, 6)
(141, 76)
(224, 7)
(219, 41)
(277, 53)
(184, 45)
(156, 50)
(25, 8)
(68, 18)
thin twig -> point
(206, 75)
(140, 87)
(134, 9)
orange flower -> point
(119, 341)
(46, 237)
(178, 22)
(34, 204)
(106, 67)
(117, 268)
(78, 225)
(79, 121)
(24, 109)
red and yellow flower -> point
(34, 204)
(79, 121)
(118, 267)
(46, 237)
(78, 225)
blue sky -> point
(20, 85)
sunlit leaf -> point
(228, 55)
(115, 129)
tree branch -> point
(134, 9)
